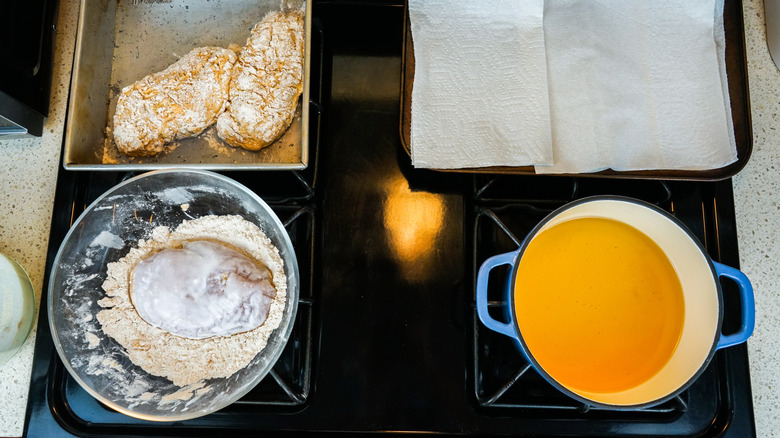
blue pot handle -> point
(748, 306)
(482, 301)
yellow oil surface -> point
(598, 304)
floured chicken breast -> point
(198, 302)
(267, 82)
(180, 101)
(202, 289)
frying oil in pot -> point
(598, 304)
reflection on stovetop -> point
(386, 338)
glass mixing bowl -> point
(104, 233)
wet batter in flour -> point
(198, 302)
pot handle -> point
(482, 301)
(748, 306)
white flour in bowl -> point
(182, 360)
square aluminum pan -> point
(120, 41)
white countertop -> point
(757, 200)
(28, 173)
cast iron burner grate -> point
(288, 384)
(497, 190)
(505, 212)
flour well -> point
(188, 361)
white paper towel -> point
(637, 85)
(632, 85)
(480, 84)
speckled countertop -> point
(28, 173)
(757, 200)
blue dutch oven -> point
(699, 277)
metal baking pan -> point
(736, 70)
(120, 41)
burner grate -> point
(502, 378)
(289, 382)
(555, 190)
(288, 385)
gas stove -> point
(387, 337)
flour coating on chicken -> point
(266, 84)
(180, 101)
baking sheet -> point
(119, 42)
(736, 66)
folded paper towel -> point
(636, 86)
(632, 86)
(480, 84)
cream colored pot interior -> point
(700, 295)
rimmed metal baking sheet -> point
(121, 41)
(736, 68)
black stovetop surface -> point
(386, 337)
